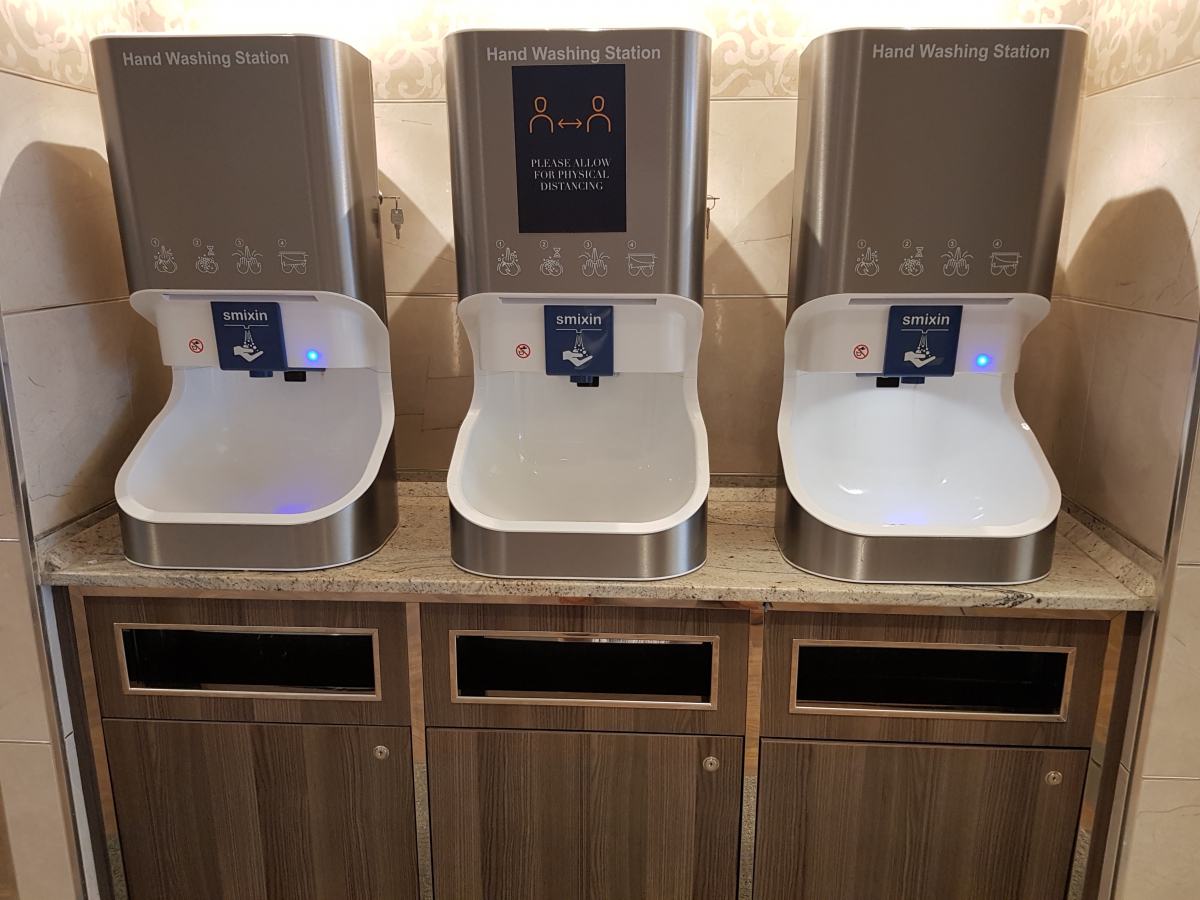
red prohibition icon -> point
(523, 351)
(861, 351)
(196, 345)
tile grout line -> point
(1113, 306)
(1140, 79)
(20, 312)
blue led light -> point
(982, 360)
(313, 356)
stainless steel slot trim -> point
(829, 709)
(580, 556)
(586, 637)
(119, 628)
(812, 546)
(351, 534)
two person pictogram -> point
(539, 109)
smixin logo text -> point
(928, 320)
(580, 319)
(244, 315)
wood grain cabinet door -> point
(859, 821)
(528, 815)
(240, 811)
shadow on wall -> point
(59, 242)
(86, 371)
(1104, 379)
(419, 243)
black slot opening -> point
(180, 659)
(883, 381)
(592, 669)
(1017, 682)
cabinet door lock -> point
(1054, 778)
(381, 752)
(711, 764)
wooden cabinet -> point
(234, 810)
(529, 815)
(866, 821)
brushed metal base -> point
(576, 556)
(351, 534)
(820, 549)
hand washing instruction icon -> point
(577, 355)
(248, 350)
(922, 356)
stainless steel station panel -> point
(910, 151)
(631, 108)
(243, 163)
(657, 243)
(935, 162)
(247, 163)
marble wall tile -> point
(432, 378)
(1162, 863)
(38, 831)
(23, 714)
(47, 39)
(87, 381)
(1133, 39)
(59, 242)
(1137, 392)
(1052, 384)
(1105, 390)
(1172, 738)
(741, 382)
(751, 147)
(414, 164)
(1136, 197)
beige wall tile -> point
(87, 380)
(741, 382)
(42, 847)
(23, 713)
(432, 378)
(413, 142)
(421, 448)
(1136, 197)
(1132, 435)
(59, 242)
(751, 146)
(1162, 862)
(1172, 741)
(1052, 384)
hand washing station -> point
(579, 170)
(924, 242)
(245, 178)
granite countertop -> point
(744, 568)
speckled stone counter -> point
(744, 568)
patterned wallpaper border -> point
(756, 44)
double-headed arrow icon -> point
(563, 124)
